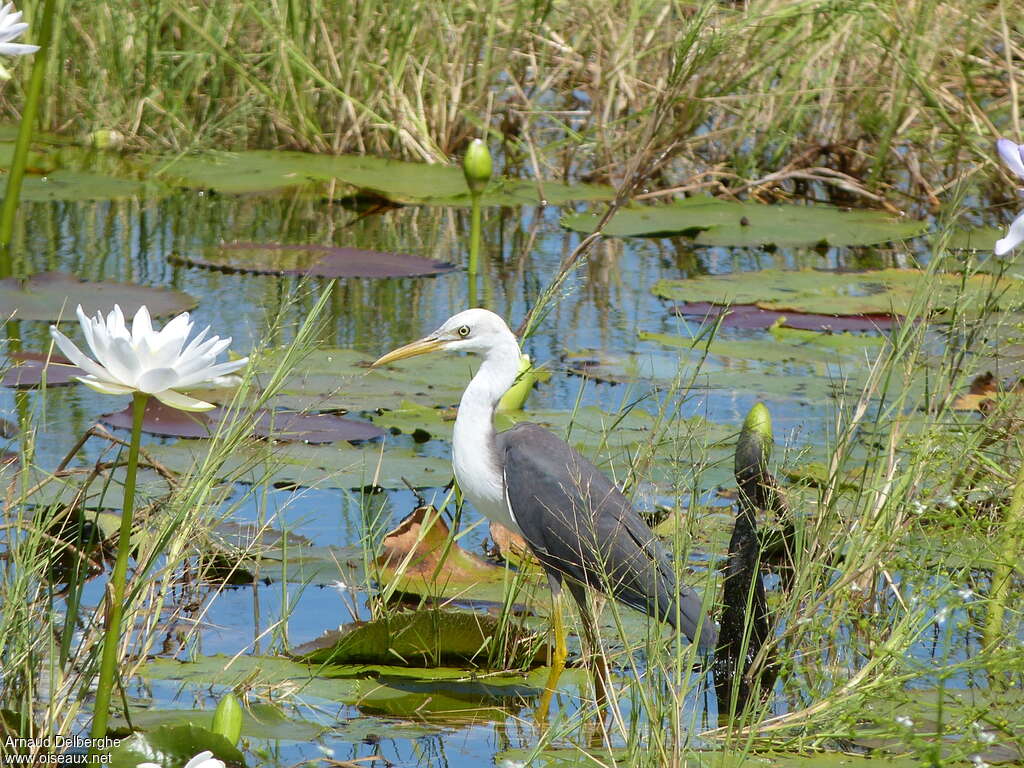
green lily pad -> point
(428, 638)
(260, 720)
(313, 466)
(976, 239)
(313, 261)
(105, 491)
(722, 222)
(341, 380)
(394, 180)
(436, 694)
(69, 186)
(50, 296)
(172, 746)
(780, 345)
(891, 291)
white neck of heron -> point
(496, 375)
(474, 458)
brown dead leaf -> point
(424, 533)
(509, 544)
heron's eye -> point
(464, 331)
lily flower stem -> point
(21, 144)
(115, 605)
(474, 247)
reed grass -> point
(856, 102)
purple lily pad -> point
(28, 368)
(314, 260)
(51, 296)
(751, 316)
(284, 426)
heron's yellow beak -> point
(421, 347)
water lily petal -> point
(182, 402)
(105, 387)
(115, 324)
(1013, 156)
(75, 355)
(17, 49)
(208, 373)
(142, 325)
(1014, 237)
(204, 760)
(156, 380)
(122, 361)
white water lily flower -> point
(202, 760)
(158, 363)
(1013, 155)
(11, 26)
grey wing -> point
(581, 526)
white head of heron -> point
(473, 330)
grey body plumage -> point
(580, 526)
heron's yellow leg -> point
(558, 657)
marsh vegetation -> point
(798, 202)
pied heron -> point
(581, 528)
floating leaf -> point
(886, 291)
(751, 316)
(314, 261)
(394, 180)
(423, 551)
(341, 380)
(320, 466)
(30, 368)
(422, 638)
(437, 693)
(69, 186)
(51, 296)
(160, 419)
(259, 721)
(722, 222)
(171, 746)
(780, 345)
(977, 239)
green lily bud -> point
(514, 399)
(477, 166)
(754, 447)
(227, 719)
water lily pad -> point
(722, 222)
(259, 721)
(30, 368)
(752, 317)
(427, 638)
(313, 260)
(160, 419)
(69, 186)
(399, 690)
(106, 491)
(320, 466)
(394, 180)
(885, 291)
(171, 746)
(50, 296)
(977, 239)
(780, 345)
(419, 548)
(341, 380)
